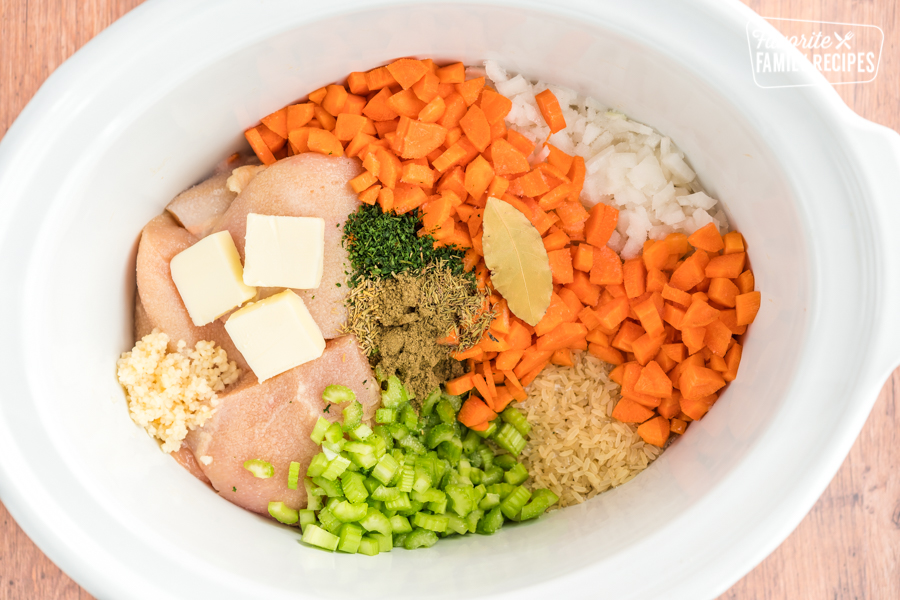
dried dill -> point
(381, 244)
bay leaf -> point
(515, 254)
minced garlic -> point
(170, 394)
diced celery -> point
(384, 433)
(492, 475)
(451, 450)
(471, 442)
(400, 503)
(376, 521)
(332, 449)
(259, 468)
(354, 487)
(293, 475)
(333, 501)
(441, 470)
(409, 417)
(412, 443)
(305, 517)
(473, 518)
(445, 411)
(514, 417)
(385, 494)
(350, 513)
(371, 484)
(338, 394)
(422, 480)
(334, 433)
(329, 522)
(332, 488)
(429, 402)
(353, 412)
(540, 501)
(420, 538)
(429, 495)
(492, 522)
(361, 433)
(313, 497)
(487, 458)
(436, 523)
(414, 507)
(318, 432)
(318, 537)
(395, 394)
(480, 492)
(438, 434)
(385, 541)
(476, 475)
(399, 540)
(283, 513)
(385, 415)
(438, 507)
(489, 501)
(465, 467)
(359, 448)
(462, 499)
(379, 374)
(398, 431)
(510, 439)
(489, 432)
(365, 461)
(502, 489)
(400, 524)
(505, 461)
(455, 401)
(369, 546)
(475, 458)
(518, 474)
(512, 504)
(335, 467)
(385, 469)
(351, 535)
(456, 525)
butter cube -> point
(209, 278)
(284, 251)
(275, 334)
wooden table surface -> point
(849, 544)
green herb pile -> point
(383, 244)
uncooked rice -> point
(576, 449)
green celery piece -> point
(259, 468)
(385, 415)
(471, 442)
(359, 448)
(475, 459)
(436, 523)
(351, 536)
(400, 524)
(305, 517)
(385, 469)
(451, 450)
(361, 433)
(329, 522)
(334, 433)
(457, 525)
(384, 433)
(492, 522)
(385, 494)
(489, 501)
(505, 461)
(438, 507)
(480, 492)
(283, 513)
(385, 540)
(514, 417)
(476, 476)
(424, 475)
(489, 432)
(464, 468)
(502, 489)
(318, 537)
(333, 501)
(398, 431)
(429, 495)
(336, 466)
(439, 434)
(441, 470)
(338, 394)
(510, 439)
(379, 374)
(371, 484)
(473, 519)
(412, 443)
(353, 486)
(352, 413)
(364, 461)
(318, 432)
(395, 394)
(332, 488)
(293, 475)
(492, 475)
(429, 402)
(334, 447)
(376, 521)
(350, 513)
(540, 502)
(399, 540)
(512, 504)
(462, 499)
(518, 474)
(400, 503)
(378, 444)
(414, 507)
(409, 417)
(313, 499)
(369, 546)
(487, 458)
(420, 538)
(455, 401)
(445, 411)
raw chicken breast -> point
(159, 304)
(200, 208)
(306, 185)
(272, 421)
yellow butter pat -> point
(210, 278)
(284, 251)
(275, 334)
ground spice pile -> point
(399, 321)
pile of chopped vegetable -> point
(413, 479)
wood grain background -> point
(848, 547)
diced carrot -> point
(614, 312)
(606, 354)
(318, 95)
(607, 267)
(356, 81)
(634, 277)
(707, 238)
(677, 426)
(470, 90)
(324, 118)
(508, 160)
(746, 306)
(646, 347)
(334, 100)
(697, 382)
(722, 291)
(324, 142)
(729, 318)
(407, 71)
(378, 78)
(628, 332)
(494, 105)
(649, 315)
(729, 266)
(562, 358)
(555, 239)
(557, 312)
(561, 266)
(460, 385)
(693, 338)
(572, 212)
(532, 184)
(299, 115)
(717, 338)
(476, 127)
(363, 181)
(519, 337)
(676, 295)
(691, 271)
(277, 122)
(454, 109)
(531, 375)
(676, 352)
(655, 431)
(455, 73)
(629, 411)
(699, 314)
(507, 360)
(370, 195)
(474, 353)
(420, 175)
(561, 337)
(378, 109)
(416, 139)
(520, 142)
(550, 110)
(478, 177)
(348, 126)
(733, 242)
(354, 106)
(732, 361)
(503, 399)
(600, 224)
(670, 405)
(695, 408)
(475, 411)
(673, 315)
(717, 363)
(451, 339)
(745, 282)
(531, 359)
(259, 146)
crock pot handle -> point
(880, 149)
